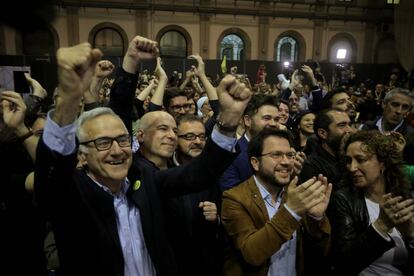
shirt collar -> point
(174, 159)
(265, 194)
(124, 186)
(381, 129)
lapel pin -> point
(137, 185)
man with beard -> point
(261, 112)
(271, 220)
(191, 220)
(339, 99)
(330, 126)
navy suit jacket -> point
(239, 170)
(83, 216)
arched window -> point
(232, 47)
(173, 44)
(109, 41)
(342, 48)
(39, 43)
(287, 49)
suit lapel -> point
(257, 198)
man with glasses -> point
(271, 220)
(192, 220)
(175, 102)
(107, 217)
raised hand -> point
(309, 71)
(233, 97)
(200, 65)
(103, 69)
(76, 66)
(209, 210)
(160, 72)
(294, 80)
(140, 48)
(37, 88)
(14, 110)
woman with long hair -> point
(372, 212)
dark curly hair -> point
(387, 151)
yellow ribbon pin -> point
(137, 185)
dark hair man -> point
(330, 126)
(271, 220)
(261, 112)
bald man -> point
(157, 138)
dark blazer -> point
(239, 170)
(83, 215)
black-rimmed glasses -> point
(192, 136)
(278, 155)
(105, 143)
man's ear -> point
(322, 133)
(247, 121)
(140, 136)
(255, 163)
(82, 158)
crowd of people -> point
(133, 173)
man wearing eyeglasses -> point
(192, 221)
(107, 217)
(273, 221)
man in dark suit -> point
(261, 112)
(107, 217)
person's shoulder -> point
(240, 190)
(369, 125)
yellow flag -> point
(224, 65)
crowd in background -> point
(321, 185)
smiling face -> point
(267, 116)
(271, 170)
(283, 113)
(159, 139)
(306, 123)
(188, 148)
(363, 167)
(108, 167)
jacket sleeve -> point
(256, 244)
(202, 172)
(53, 180)
(122, 96)
(353, 243)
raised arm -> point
(158, 96)
(201, 73)
(102, 70)
(76, 67)
(14, 111)
(123, 90)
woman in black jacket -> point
(372, 214)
